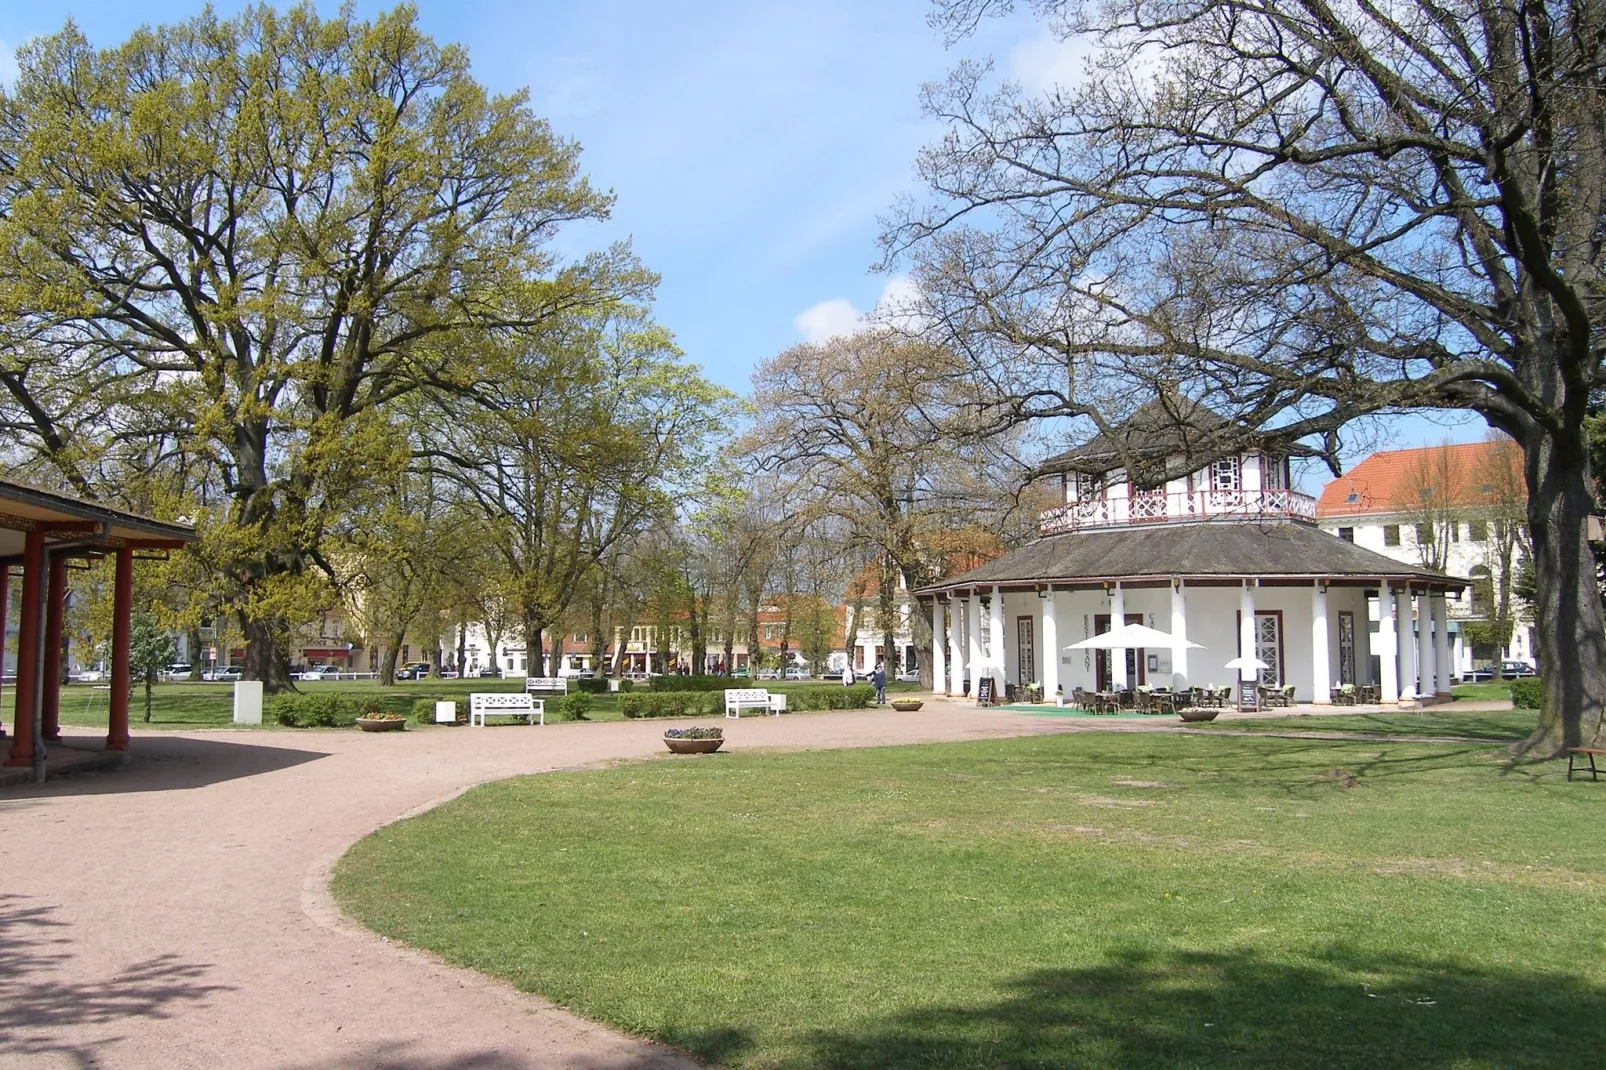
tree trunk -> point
(147, 698)
(193, 641)
(462, 649)
(495, 639)
(1569, 633)
(387, 664)
(263, 659)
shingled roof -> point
(1161, 427)
(1285, 550)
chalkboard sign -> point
(1249, 694)
(984, 691)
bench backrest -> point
(500, 700)
(746, 694)
(546, 683)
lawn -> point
(1087, 900)
(1499, 726)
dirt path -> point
(174, 913)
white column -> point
(939, 639)
(973, 634)
(1321, 667)
(956, 652)
(1387, 645)
(1441, 644)
(997, 643)
(1051, 646)
(1407, 645)
(1179, 629)
(1246, 629)
(1424, 647)
(1118, 679)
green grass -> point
(1490, 692)
(1088, 900)
(1500, 725)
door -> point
(1269, 645)
(1025, 651)
(1103, 673)
(1346, 647)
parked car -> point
(228, 675)
(739, 674)
(1508, 669)
(910, 677)
(414, 670)
(177, 671)
(795, 673)
(769, 674)
(318, 673)
(90, 676)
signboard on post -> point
(1249, 694)
(984, 691)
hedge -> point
(1526, 693)
(700, 703)
(692, 683)
(599, 686)
(334, 709)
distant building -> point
(1440, 506)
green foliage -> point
(424, 711)
(801, 699)
(573, 707)
(1527, 693)
(333, 709)
(150, 648)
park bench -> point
(738, 699)
(1588, 752)
(552, 685)
(504, 704)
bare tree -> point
(1432, 501)
(1302, 214)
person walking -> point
(880, 681)
(847, 674)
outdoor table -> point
(1367, 693)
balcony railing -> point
(1158, 507)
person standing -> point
(847, 674)
(880, 681)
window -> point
(1478, 531)
(1391, 534)
(1347, 534)
(1455, 532)
(1224, 474)
(1271, 473)
(578, 637)
(1424, 535)
(1088, 487)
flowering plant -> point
(694, 733)
(381, 715)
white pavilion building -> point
(1227, 556)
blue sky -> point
(751, 145)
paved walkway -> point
(174, 913)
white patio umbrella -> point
(1241, 663)
(1135, 636)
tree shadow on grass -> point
(1245, 1009)
(42, 1000)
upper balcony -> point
(1161, 506)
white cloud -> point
(1045, 63)
(8, 65)
(827, 320)
(897, 306)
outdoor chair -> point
(1345, 695)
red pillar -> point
(33, 564)
(5, 605)
(122, 610)
(50, 671)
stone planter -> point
(1195, 713)
(693, 746)
(906, 705)
(374, 724)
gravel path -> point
(174, 913)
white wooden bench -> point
(552, 685)
(504, 704)
(738, 699)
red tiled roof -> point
(1388, 481)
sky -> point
(751, 145)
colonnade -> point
(1414, 661)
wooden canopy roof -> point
(64, 518)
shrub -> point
(315, 711)
(424, 711)
(671, 704)
(1526, 693)
(806, 697)
(591, 687)
(572, 707)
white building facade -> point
(1227, 556)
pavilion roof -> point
(67, 518)
(1208, 550)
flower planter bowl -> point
(1195, 713)
(375, 724)
(693, 746)
(907, 705)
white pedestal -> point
(446, 712)
(248, 702)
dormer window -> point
(1224, 474)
